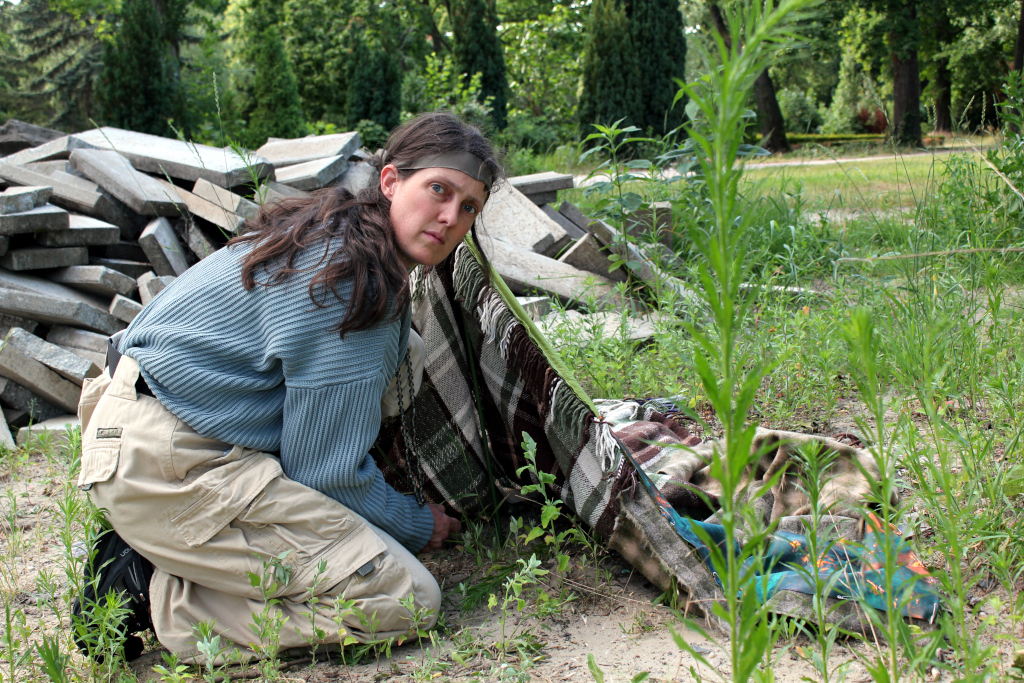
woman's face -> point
(431, 211)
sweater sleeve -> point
(325, 440)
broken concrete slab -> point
(586, 254)
(74, 180)
(42, 218)
(6, 440)
(61, 148)
(535, 306)
(207, 210)
(178, 159)
(542, 188)
(82, 231)
(312, 175)
(510, 217)
(577, 217)
(40, 258)
(65, 195)
(18, 398)
(64, 363)
(150, 285)
(97, 279)
(62, 335)
(571, 229)
(225, 199)
(115, 174)
(640, 262)
(9, 321)
(163, 248)
(124, 250)
(282, 152)
(654, 221)
(55, 432)
(21, 199)
(99, 359)
(28, 282)
(132, 269)
(358, 177)
(274, 192)
(50, 309)
(526, 272)
(198, 243)
(17, 135)
(572, 327)
(124, 308)
(16, 365)
(48, 167)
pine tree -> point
(657, 31)
(374, 85)
(317, 36)
(139, 87)
(477, 50)
(611, 73)
(274, 108)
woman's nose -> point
(449, 213)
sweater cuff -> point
(416, 529)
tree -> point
(657, 26)
(139, 87)
(903, 38)
(1018, 48)
(477, 50)
(274, 109)
(374, 85)
(773, 126)
(317, 40)
(611, 73)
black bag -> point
(116, 566)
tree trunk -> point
(906, 98)
(773, 127)
(1018, 49)
(943, 96)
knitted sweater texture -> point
(262, 369)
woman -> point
(284, 342)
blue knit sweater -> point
(262, 369)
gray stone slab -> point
(571, 229)
(225, 199)
(29, 282)
(651, 221)
(96, 279)
(572, 327)
(17, 365)
(48, 167)
(9, 321)
(98, 359)
(77, 339)
(207, 210)
(274, 192)
(586, 254)
(510, 217)
(40, 258)
(115, 174)
(42, 218)
(83, 231)
(74, 180)
(538, 183)
(17, 135)
(178, 159)
(125, 309)
(527, 272)
(163, 248)
(4, 243)
(61, 148)
(282, 152)
(536, 306)
(198, 243)
(577, 217)
(132, 269)
(49, 309)
(312, 175)
(64, 363)
(18, 398)
(6, 440)
(150, 285)
(21, 199)
(643, 265)
(358, 177)
(124, 250)
(54, 432)
(64, 195)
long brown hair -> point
(355, 233)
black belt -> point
(113, 358)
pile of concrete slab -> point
(94, 225)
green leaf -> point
(631, 201)
(595, 670)
(563, 562)
(640, 677)
(639, 163)
(547, 514)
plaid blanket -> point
(490, 375)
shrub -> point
(799, 112)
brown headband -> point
(467, 162)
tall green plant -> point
(729, 375)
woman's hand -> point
(444, 526)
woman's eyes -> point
(439, 189)
(469, 208)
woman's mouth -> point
(436, 237)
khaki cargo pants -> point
(206, 513)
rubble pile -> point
(94, 225)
